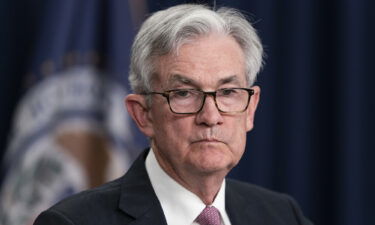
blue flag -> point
(71, 130)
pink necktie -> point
(209, 216)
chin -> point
(213, 164)
(212, 157)
(212, 170)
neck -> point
(206, 189)
(205, 185)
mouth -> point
(208, 140)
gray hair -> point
(165, 31)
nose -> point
(209, 115)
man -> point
(192, 72)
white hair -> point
(165, 31)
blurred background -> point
(64, 128)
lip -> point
(210, 140)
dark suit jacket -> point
(132, 200)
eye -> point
(181, 94)
(228, 92)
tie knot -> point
(209, 216)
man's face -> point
(209, 141)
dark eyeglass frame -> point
(205, 93)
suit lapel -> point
(239, 210)
(138, 198)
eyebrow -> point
(230, 79)
(178, 78)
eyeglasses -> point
(191, 101)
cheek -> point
(172, 131)
(238, 136)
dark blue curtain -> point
(314, 134)
(16, 22)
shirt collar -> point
(180, 206)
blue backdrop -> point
(314, 132)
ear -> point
(138, 110)
(252, 108)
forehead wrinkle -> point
(181, 79)
(230, 80)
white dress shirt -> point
(180, 206)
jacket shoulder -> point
(107, 195)
(263, 205)
(95, 206)
(251, 191)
